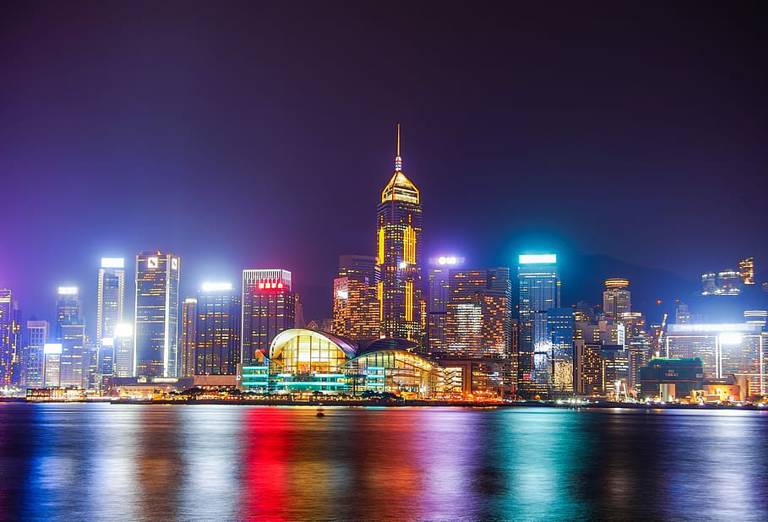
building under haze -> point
(355, 307)
(156, 318)
(267, 309)
(10, 338)
(539, 291)
(188, 334)
(110, 300)
(217, 330)
(398, 257)
(70, 328)
(123, 348)
(438, 294)
(33, 361)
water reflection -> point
(94, 461)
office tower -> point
(298, 312)
(726, 282)
(123, 346)
(616, 297)
(560, 327)
(640, 352)
(52, 353)
(398, 269)
(478, 313)
(34, 358)
(9, 338)
(71, 334)
(588, 367)
(615, 371)
(355, 307)
(708, 283)
(217, 339)
(438, 294)
(539, 291)
(156, 318)
(110, 298)
(747, 270)
(267, 309)
(682, 313)
(188, 326)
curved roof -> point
(389, 344)
(347, 346)
(396, 351)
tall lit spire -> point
(398, 159)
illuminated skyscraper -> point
(52, 353)
(560, 328)
(188, 334)
(10, 339)
(398, 269)
(71, 334)
(539, 291)
(34, 357)
(747, 270)
(124, 351)
(355, 307)
(479, 316)
(110, 299)
(438, 294)
(156, 318)
(217, 339)
(268, 309)
(617, 298)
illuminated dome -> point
(304, 351)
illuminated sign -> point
(270, 285)
(175, 263)
(67, 290)
(531, 259)
(447, 260)
(52, 349)
(112, 262)
(217, 287)
(153, 262)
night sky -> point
(260, 135)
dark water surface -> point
(152, 462)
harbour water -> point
(204, 462)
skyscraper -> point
(560, 327)
(34, 357)
(617, 298)
(71, 334)
(479, 314)
(438, 294)
(188, 333)
(398, 269)
(10, 338)
(267, 310)
(124, 351)
(539, 291)
(156, 318)
(218, 322)
(747, 270)
(110, 299)
(355, 307)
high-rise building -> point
(355, 307)
(560, 327)
(110, 299)
(640, 350)
(52, 353)
(188, 334)
(267, 310)
(125, 360)
(156, 317)
(478, 313)
(747, 270)
(438, 294)
(682, 313)
(617, 298)
(9, 338)
(398, 269)
(725, 282)
(71, 334)
(33, 362)
(539, 286)
(218, 322)
(588, 367)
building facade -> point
(402, 309)
(156, 316)
(188, 336)
(10, 339)
(267, 309)
(33, 363)
(217, 330)
(355, 307)
(617, 299)
(70, 330)
(110, 301)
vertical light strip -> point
(380, 260)
(409, 300)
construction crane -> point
(660, 337)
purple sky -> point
(259, 135)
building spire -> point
(398, 159)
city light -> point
(52, 349)
(216, 287)
(123, 330)
(730, 338)
(112, 262)
(447, 260)
(67, 290)
(543, 259)
(342, 294)
(107, 341)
